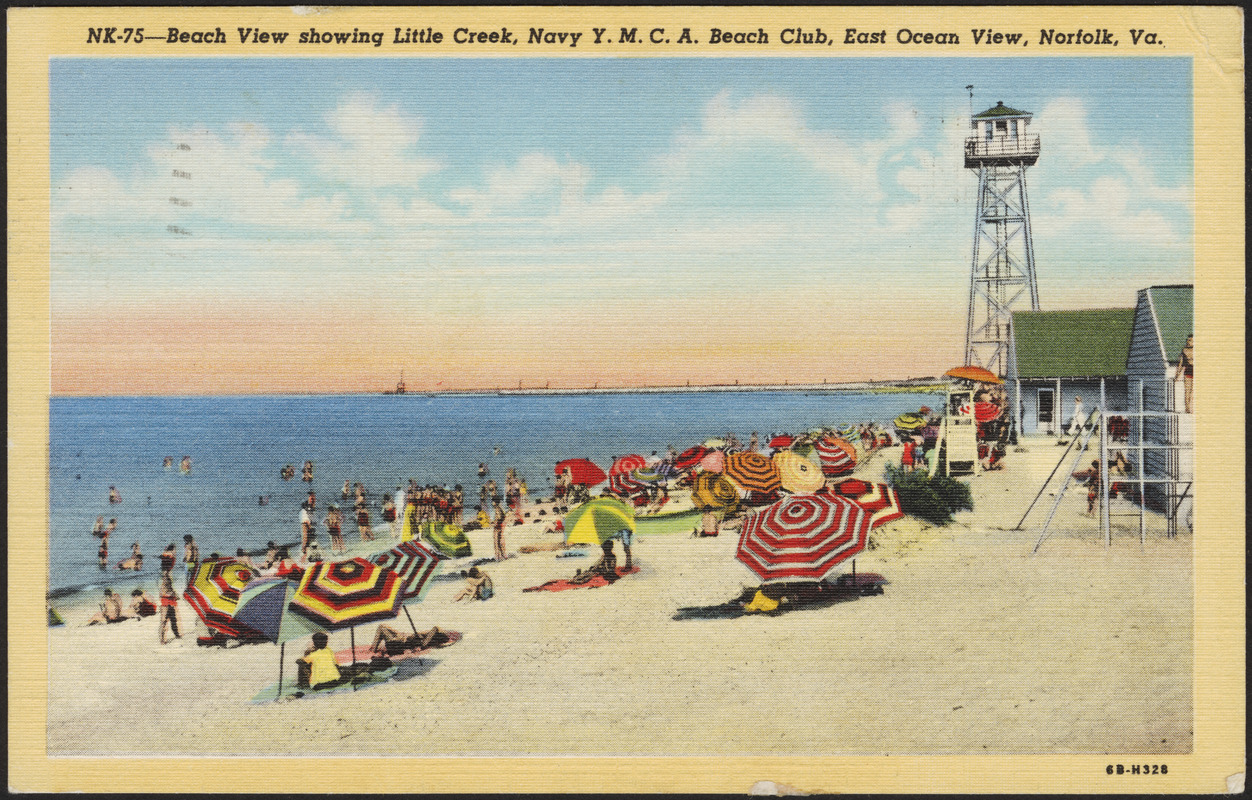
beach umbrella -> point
(910, 422)
(986, 412)
(627, 464)
(972, 373)
(713, 490)
(690, 457)
(598, 520)
(263, 605)
(838, 456)
(621, 476)
(782, 440)
(882, 503)
(713, 461)
(802, 537)
(450, 540)
(341, 594)
(214, 594)
(666, 470)
(753, 472)
(414, 562)
(648, 475)
(850, 488)
(583, 471)
(797, 473)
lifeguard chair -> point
(958, 435)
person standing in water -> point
(363, 521)
(334, 528)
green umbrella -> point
(598, 520)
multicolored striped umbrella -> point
(214, 594)
(582, 470)
(598, 520)
(447, 538)
(797, 473)
(802, 537)
(910, 422)
(690, 457)
(782, 440)
(340, 594)
(753, 472)
(414, 562)
(713, 490)
(838, 456)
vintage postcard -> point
(626, 399)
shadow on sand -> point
(825, 596)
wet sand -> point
(976, 646)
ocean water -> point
(238, 445)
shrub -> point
(931, 499)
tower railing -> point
(1002, 147)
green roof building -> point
(1060, 360)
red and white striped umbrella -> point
(802, 537)
(414, 562)
(622, 481)
(838, 456)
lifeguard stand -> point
(958, 434)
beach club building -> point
(1058, 356)
(1164, 318)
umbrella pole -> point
(282, 650)
(352, 638)
(410, 616)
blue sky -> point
(586, 185)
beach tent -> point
(802, 537)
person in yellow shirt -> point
(317, 669)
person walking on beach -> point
(169, 609)
(1076, 422)
(168, 558)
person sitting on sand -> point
(141, 605)
(271, 555)
(390, 642)
(606, 567)
(317, 668)
(242, 555)
(284, 566)
(110, 609)
(477, 586)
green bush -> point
(931, 499)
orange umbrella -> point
(972, 373)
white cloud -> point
(372, 146)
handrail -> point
(1002, 146)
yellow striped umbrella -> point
(713, 490)
(338, 594)
(797, 473)
(214, 593)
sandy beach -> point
(976, 646)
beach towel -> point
(560, 584)
(289, 688)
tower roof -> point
(1001, 110)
